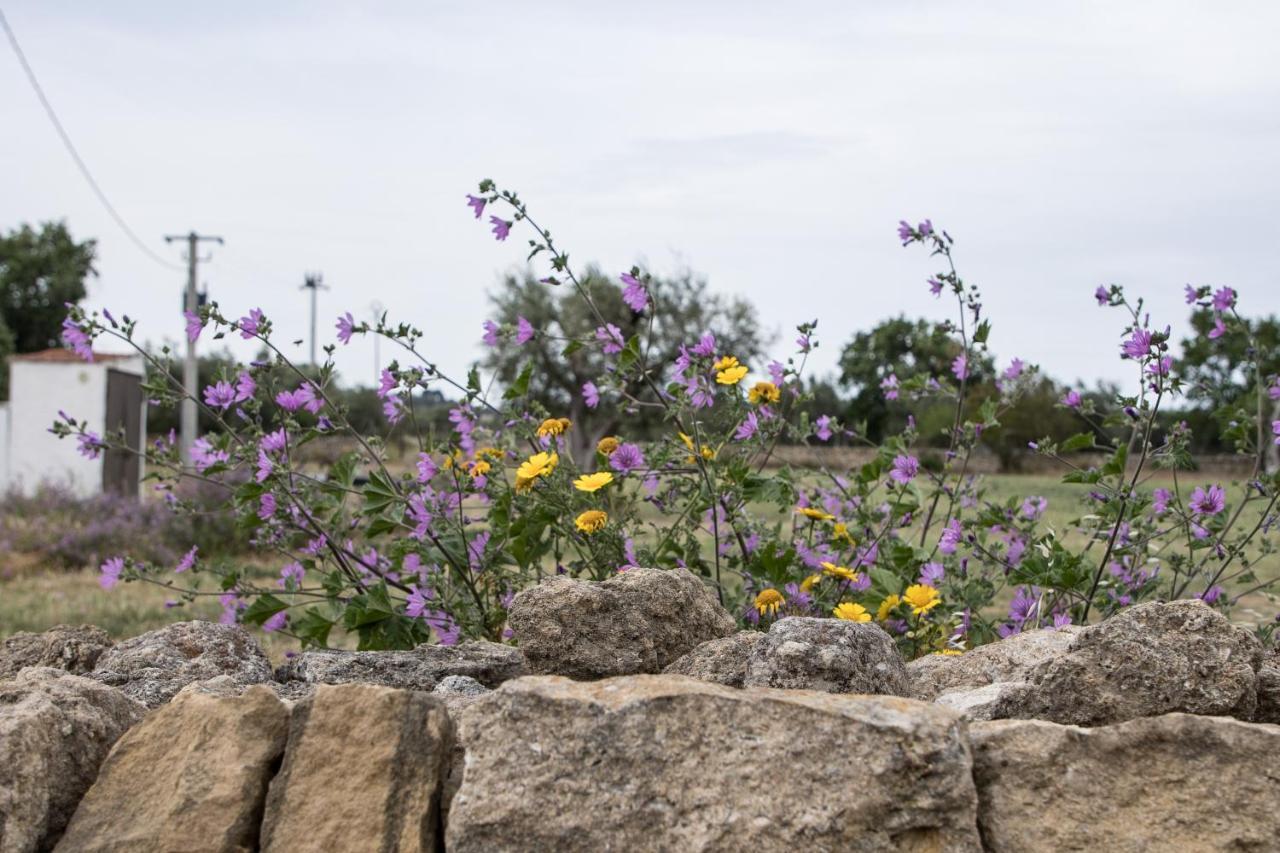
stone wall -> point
(1154, 730)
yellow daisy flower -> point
(726, 362)
(707, 452)
(807, 583)
(815, 514)
(607, 445)
(851, 612)
(839, 571)
(479, 469)
(886, 607)
(732, 376)
(764, 392)
(554, 426)
(537, 465)
(593, 482)
(922, 598)
(840, 531)
(591, 521)
(768, 602)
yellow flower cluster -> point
(552, 427)
(537, 465)
(729, 371)
(763, 392)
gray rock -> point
(192, 776)
(831, 655)
(989, 702)
(1173, 782)
(666, 762)
(418, 669)
(74, 648)
(1268, 685)
(1149, 659)
(371, 786)
(55, 730)
(154, 666)
(641, 620)
(1011, 659)
(720, 661)
(459, 691)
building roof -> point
(58, 355)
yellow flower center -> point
(607, 445)
(922, 598)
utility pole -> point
(313, 282)
(376, 310)
(190, 375)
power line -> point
(71, 149)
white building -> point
(106, 393)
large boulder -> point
(362, 771)
(1149, 659)
(74, 648)
(1009, 660)
(666, 762)
(55, 731)
(154, 666)
(720, 661)
(832, 655)
(192, 776)
(640, 620)
(421, 668)
(1174, 782)
(1268, 710)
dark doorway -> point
(124, 410)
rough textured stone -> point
(1174, 782)
(670, 763)
(1149, 659)
(1011, 659)
(374, 785)
(641, 620)
(989, 702)
(720, 661)
(1268, 684)
(154, 666)
(55, 730)
(74, 648)
(192, 776)
(832, 655)
(459, 691)
(418, 669)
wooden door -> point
(124, 410)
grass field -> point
(32, 598)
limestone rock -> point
(665, 762)
(1148, 659)
(989, 702)
(362, 771)
(192, 776)
(459, 691)
(418, 669)
(154, 666)
(720, 661)
(832, 655)
(641, 620)
(1011, 659)
(1268, 684)
(55, 730)
(74, 648)
(1173, 782)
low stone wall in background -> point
(1153, 730)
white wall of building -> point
(4, 447)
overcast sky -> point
(771, 148)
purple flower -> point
(275, 622)
(1191, 294)
(75, 337)
(426, 468)
(1014, 370)
(952, 534)
(935, 287)
(706, 346)
(204, 457)
(803, 344)
(1025, 605)
(291, 575)
(90, 445)
(636, 297)
(1033, 507)
(265, 466)
(822, 428)
(611, 337)
(490, 333)
(266, 506)
(1102, 295)
(524, 331)
(1138, 346)
(1224, 299)
(889, 385)
(1212, 594)
(960, 367)
(110, 571)
(447, 631)
(1160, 501)
(274, 442)
(194, 326)
(501, 228)
(932, 574)
(747, 428)
(418, 601)
(904, 232)
(904, 469)
(1275, 430)
(1061, 620)
(476, 204)
(1209, 502)
(1274, 391)
(188, 560)
(925, 228)
(220, 395)
(626, 458)
(590, 395)
(1219, 329)
(245, 387)
(777, 372)
(1160, 366)
(250, 324)
(346, 327)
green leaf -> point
(520, 387)
(263, 608)
(630, 353)
(570, 348)
(1079, 441)
(981, 333)
(312, 627)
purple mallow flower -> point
(1102, 295)
(904, 469)
(275, 622)
(194, 326)
(251, 323)
(626, 458)
(932, 574)
(610, 336)
(501, 228)
(952, 534)
(1209, 502)
(75, 337)
(1138, 346)
(1224, 299)
(90, 445)
(747, 428)
(110, 571)
(1160, 501)
(220, 395)
(188, 560)
(889, 385)
(1072, 399)
(346, 327)
(822, 428)
(590, 395)
(476, 204)
(960, 367)
(635, 295)
(490, 333)
(524, 331)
